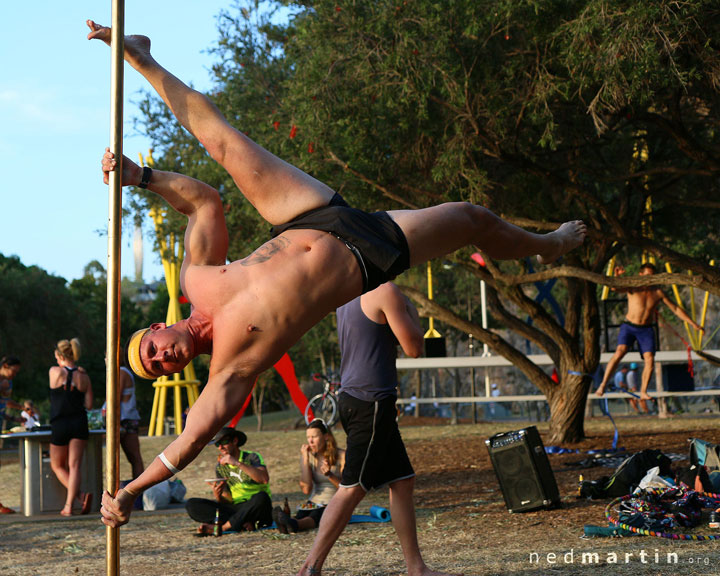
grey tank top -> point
(369, 350)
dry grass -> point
(463, 525)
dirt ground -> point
(463, 524)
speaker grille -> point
(523, 470)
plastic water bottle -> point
(714, 520)
(217, 528)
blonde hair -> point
(69, 349)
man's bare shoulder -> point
(374, 300)
(383, 294)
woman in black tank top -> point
(70, 398)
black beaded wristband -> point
(146, 175)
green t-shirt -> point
(241, 486)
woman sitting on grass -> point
(321, 464)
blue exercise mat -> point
(377, 514)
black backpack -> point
(627, 476)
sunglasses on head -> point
(314, 424)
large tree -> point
(541, 111)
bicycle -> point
(325, 404)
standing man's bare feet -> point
(313, 570)
(137, 48)
(568, 236)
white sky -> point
(55, 121)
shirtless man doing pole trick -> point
(249, 312)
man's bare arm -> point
(401, 317)
(219, 401)
(679, 312)
(206, 237)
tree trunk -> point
(257, 399)
(567, 409)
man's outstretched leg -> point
(440, 230)
(333, 522)
(278, 190)
(648, 369)
(610, 368)
(402, 512)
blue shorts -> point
(644, 335)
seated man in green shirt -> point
(242, 488)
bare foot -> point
(137, 48)
(205, 529)
(570, 235)
(66, 512)
(310, 570)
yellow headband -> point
(133, 355)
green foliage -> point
(40, 309)
(542, 111)
(32, 321)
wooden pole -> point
(112, 392)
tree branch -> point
(696, 281)
(385, 192)
(494, 341)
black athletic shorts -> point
(375, 453)
(374, 239)
(62, 430)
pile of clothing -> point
(662, 499)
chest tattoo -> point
(266, 251)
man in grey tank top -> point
(369, 330)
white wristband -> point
(169, 466)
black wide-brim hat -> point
(227, 431)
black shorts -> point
(62, 430)
(374, 239)
(129, 426)
(375, 453)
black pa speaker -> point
(523, 470)
(677, 378)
